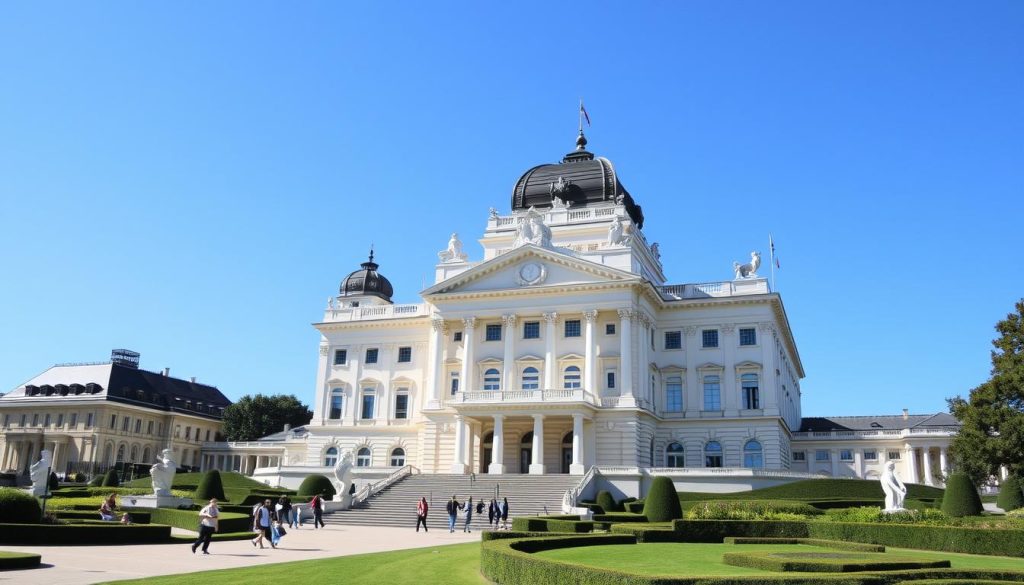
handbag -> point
(280, 530)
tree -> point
(257, 416)
(992, 418)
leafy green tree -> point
(993, 416)
(257, 416)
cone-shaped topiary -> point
(961, 498)
(18, 507)
(110, 479)
(1010, 495)
(605, 500)
(54, 482)
(316, 484)
(96, 481)
(662, 501)
(210, 486)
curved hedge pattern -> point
(18, 560)
(808, 562)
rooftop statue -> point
(454, 251)
(748, 270)
(532, 230)
(894, 489)
(163, 472)
(40, 473)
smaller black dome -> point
(367, 281)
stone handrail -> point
(370, 490)
(572, 496)
(334, 314)
(556, 395)
(935, 431)
(729, 288)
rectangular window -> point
(113, 421)
(611, 380)
(188, 432)
(893, 455)
(492, 332)
(799, 456)
(751, 394)
(340, 357)
(60, 420)
(712, 393)
(177, 431)
(368, 399)
(88, 421)
(457, 336)
(674, 394)
(337, 404)
(748, 336)
(138, 425)
(455, 383)
(125, 421)
(371, 355)
(198, 430)
(673, 340)
(74, 420)
(404, 355)
(845, 455)
(572, 328)
(709, 338)
(7, 420)
(46, 420)
(531, 330)
(609, 328)
(871, 456)
(23, 420)
(402, 406)
(822, 455)
(207, 435)
(149, 428)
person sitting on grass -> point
(108, 507)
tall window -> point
(404, 355)
(712, 393)
(149, 428)
(337, 403)
(46, 420)
(331, 457)
(673, 340)
(113, 421)
(610, 377)
(753, 455)
(492, 379)
(674, 455)
(531, 330)
(454, 385)
(340, 357)
(492, 332)
(402, 405)
(371, 355)
(531, 378)
(88, 421)
(363, 457)
(572, 377)
(709, 338)
(572, 327)
(398, 457)
(73, 422)
(127, 421)
(748, 336)
(674, 394)
(713, 454)
(369, 396)
(7, 420)
(138, 426)
(120, 453)
(751, 395)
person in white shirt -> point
(208, 524)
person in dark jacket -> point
(421, 514)
(492, 509)
(468, 508)
(453, 511)
(504, 514)
(317, 503)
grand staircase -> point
(528, 495)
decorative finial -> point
(371, 252)
(581, 140)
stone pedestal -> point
(154, 501)
(36, 492)
(496, 468)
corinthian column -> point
(549, 350)
(626, 356)
(510, 352)
(437, 339)
(466, 382)
(589, 357)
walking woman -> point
(469, 514)
(504, 514)
(421, 514)
(491, 509)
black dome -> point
(367, 282)
(581, 177)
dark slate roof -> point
(367, 281)
(164, 392)
(874, 423)
(587, 179)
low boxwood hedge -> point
(87, 534)
(545, 524)
(836, 544)
(189, 519)
(814, 562)
(961, 539)
(18, 560)
(137, 516)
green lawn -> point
(706, 559)
(457, 564)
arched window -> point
(363, 457)
(108, 454)
(674, 455)
(753, 455)
(674, 395)
(331, 457)
(531, 378)
(145, 455)
(398, 457)
(134, 457)
(120, 453)
(572, 377)
(751, 397)
(337, 402)
(712, 393)
(492, 379)
(527, 440)
(713, 454)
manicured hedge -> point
(544, 524)
(1010, 495)
(635, 507)
(210, 487)
(717, 530)
(111, 479)
(748, 509)
(836, 544)
(314, 484)
(17, 506)
(810, 490)
(87, 534)
(606, 501)
(961, 539)
(662, 501)
(18, 560)
(189, 519)
(961, 497)
(138, 516)
(808, 562)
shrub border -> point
(19, 560)
(85, 534)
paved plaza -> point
(79, 565)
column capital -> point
(439, 325)
(729, 328)
(509, 320)
(323, 349)
(766, 327)
(690, 330)
(498, 417)
(469, 322)
(551, 317)
(577, 416)
(626, 314)
(590, 316)
(537, 417)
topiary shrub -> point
(96, 481)
(110, 479)
(1010, 495)
(54, 483)
(18, 507)
(316, 484)
(606, 501)
(961, 497)
(77, 477)
(662, 501)
(210, 486)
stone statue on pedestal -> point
(454, 251)
(894, 489)
(40, 473)
(748, 270)
(343, 478)
(533, 231)
(162, 473)
(616, 232)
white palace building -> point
(564, 349)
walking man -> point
(318, 510)
(208, 520)
(421, 514)
(469, 514)
(453, 511)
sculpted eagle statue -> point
(748, 270)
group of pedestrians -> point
(497, 513)
(268, 521)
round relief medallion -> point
(532, 273)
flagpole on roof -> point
(771, 249)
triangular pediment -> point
(530, 267)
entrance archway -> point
(566, 452)
(525, 452)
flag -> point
(583, 111)
(771, 245)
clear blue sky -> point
(192, 180)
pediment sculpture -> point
(532, 230)
(453, 253)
